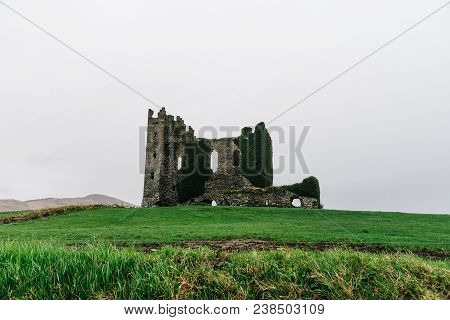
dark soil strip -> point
(44, 213)
(258, 244)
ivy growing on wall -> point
(255, 162)
(195, 169)
(309, 187)
(256, 155)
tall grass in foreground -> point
(37, 271)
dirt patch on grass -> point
(233, 245)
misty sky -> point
(379, 137)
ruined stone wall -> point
(228, 175)
(165, 184)
(257, 197)
(164, 146)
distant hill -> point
(16, 205)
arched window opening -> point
(180, 162)
(236, 158)
(152, 175)
(154, 155)
(214, 161)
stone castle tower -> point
(165, 137)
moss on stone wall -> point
(309, 187)
(195, 170)
(256, 155)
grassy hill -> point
(159, 253)
(185, 223)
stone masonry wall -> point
(164, 147)
(257, 197)
(228, 175)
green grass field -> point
(173, 224)
(42, 271)
(98, 253)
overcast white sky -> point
(379, 136)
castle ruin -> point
(178, 168)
